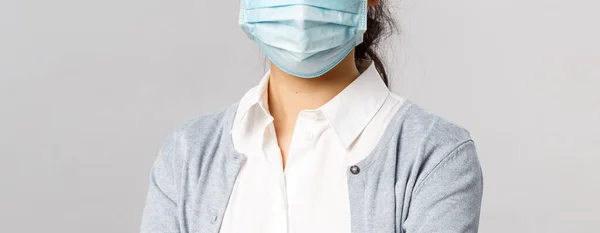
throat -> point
(289, 95)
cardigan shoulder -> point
(198, 140)
(428, 141)
(432, 135)
(428, 128)
(205, 131)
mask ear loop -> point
(242, 16)
(362, 25)
(364, 8)
(243, 20)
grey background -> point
(88, 89)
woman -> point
(321, 144)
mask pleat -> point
(350, 6)
(301, 13)
(315, 39)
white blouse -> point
(311, 195)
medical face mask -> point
(305, 38)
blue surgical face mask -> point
(305, 38)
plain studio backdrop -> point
(88, 90)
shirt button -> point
(308, 136)
(355, 169)
(312, 115)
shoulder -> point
(207, 124)
(428, 140)
(420, 124)
(200, 132)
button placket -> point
(356, 189)
(308, 136)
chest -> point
(366, 201)
(325, 186)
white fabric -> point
(311, 195)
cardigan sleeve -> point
(449, 197)
(160, 213)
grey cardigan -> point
(423, 176)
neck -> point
(288, 94)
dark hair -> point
(380, 25)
